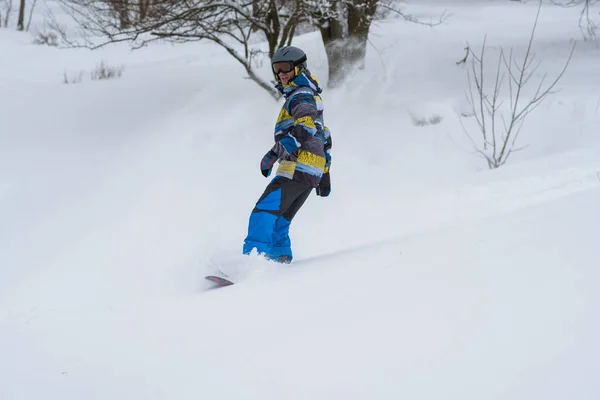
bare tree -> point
(345, 26)
(499, 126)
(587, 25)
(31, 10)
(21, 19)
(229, 23)
(7, 6)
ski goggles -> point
(283, 66)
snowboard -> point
(219, 281)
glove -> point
(267, 163)
(324, 187)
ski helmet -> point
(287, 59)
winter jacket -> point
(302, 141)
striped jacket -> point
(302, 141)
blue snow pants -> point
(269, 224)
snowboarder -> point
(302, 147)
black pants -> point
(268, 228)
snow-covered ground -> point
(423, 276)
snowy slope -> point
(505, 308)
(423, 276)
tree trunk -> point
(360, 15)
(124, 15)
(143, 9)
(21, 20)
(272, 20)
(347, 50)
(121, 7)
(255, 14)
(334, 41)
(8, 11)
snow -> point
(423, 276)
